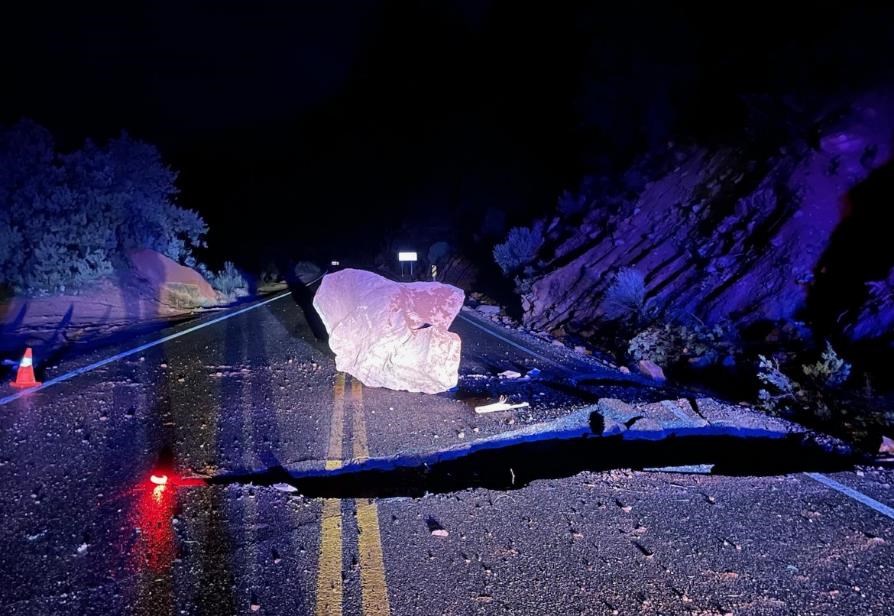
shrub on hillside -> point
(68, 218)
(820, 399)
(661, 345)
(229, 282)
(781, 394)
(778, 394)
(519, 249)
(672, 343)
(625, 299)
(830, 371)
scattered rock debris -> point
(502, 405)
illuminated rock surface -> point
(175, 285)
(390, 334)
(733, 235)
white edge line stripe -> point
(854, 494)
(515, 344)
(142, 347)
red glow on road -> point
(155, 549)
(154, 511)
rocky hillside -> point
(745, 234)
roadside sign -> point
(406, 257)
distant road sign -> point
(407, 256)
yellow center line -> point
(374, 590)
(329, 578)
(337, 425)
(330, 589)
(330, 585)
(372, 562)
(358, 436)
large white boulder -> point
(390, 334)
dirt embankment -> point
(152, 288)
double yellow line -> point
(330, 585)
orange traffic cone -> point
(25, 375)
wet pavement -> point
(86, 531)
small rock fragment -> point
(643, 549)
(651, 369)
(624, 508)
(510, 374)
(502, 405)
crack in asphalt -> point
(513, 463)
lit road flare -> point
(159, 480)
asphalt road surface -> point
(86, 531)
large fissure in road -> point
(513, 463)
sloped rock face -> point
(390, 334)
(875, 317)
(176, 286)
(719, 234)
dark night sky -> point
(296, 125)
